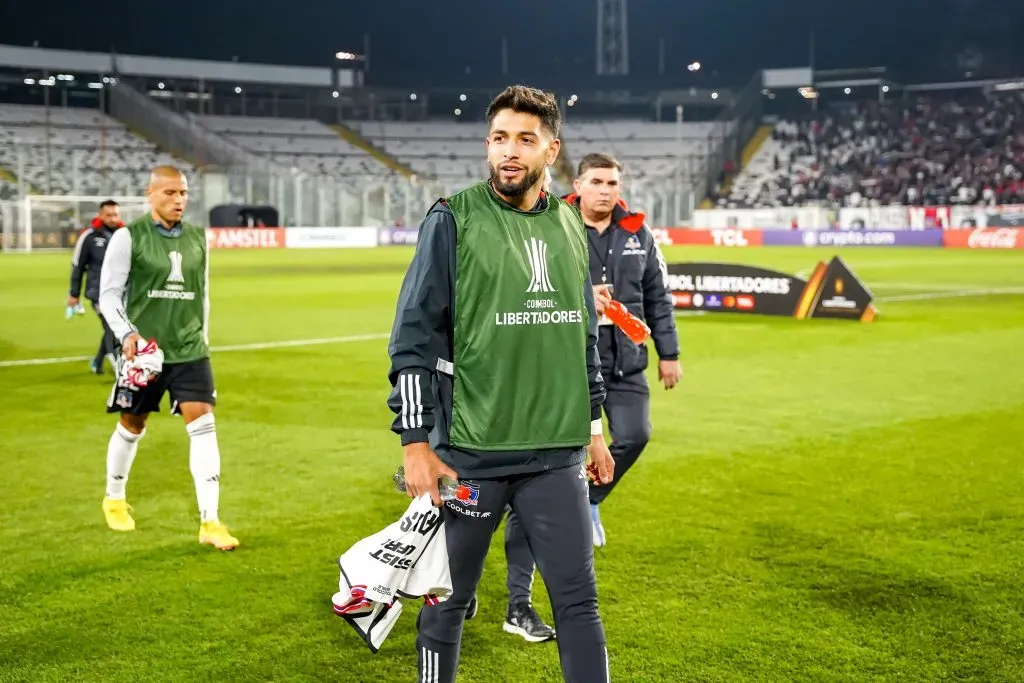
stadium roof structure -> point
(103, 64)
(338, 90)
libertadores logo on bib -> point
(174, 287)
(176, 274)
(539, 310)
(537, 255)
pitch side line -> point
(217, 349)
(924, 296)
(937, 286)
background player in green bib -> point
(496, 379)
(155, 285)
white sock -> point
(120, 454)
(204, 461)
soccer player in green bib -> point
(497, 381)
(155, 285)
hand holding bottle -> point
(633, 327)
(423, 472)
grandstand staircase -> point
(9, 176)
(762, 133)
(182, 137)
(177, 151)
(352, 136)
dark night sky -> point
(416, 42)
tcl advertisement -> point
(984, 238)
(711, 238)
(245, 238)
(832, 291)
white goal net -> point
(54, 222)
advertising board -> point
(832, 291)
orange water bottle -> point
(634, 328)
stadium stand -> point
(91, 153)
(453, 152)
(307, 145)
(925, 150)
(651, 152)
(74, 151)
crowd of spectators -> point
(913, 150)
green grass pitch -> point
(821, 500)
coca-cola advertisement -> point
(984, 238)
(397, 237)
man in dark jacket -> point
(496, 380)
(626, 265)
(86, 263)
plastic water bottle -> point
(634, 328)
(71, 311)
(449, 488)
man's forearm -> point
(79, 262)
(113, 282)
(112, 310)
(75, 288)
(418, 341)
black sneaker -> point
(471, 609)
(523, 620)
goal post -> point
(46, 222)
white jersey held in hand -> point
(406, 560)
(144, 367)
(135, 375)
